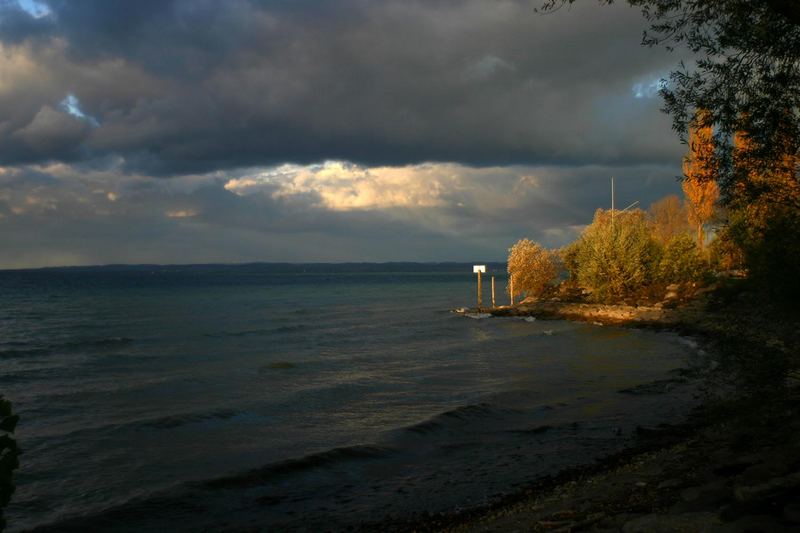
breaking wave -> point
(327, 458)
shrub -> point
(616, 257)
(681, 261)
(533, 268)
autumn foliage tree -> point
(668, 217)
(699, 175)
(532, 267)
(745, 77)
(765, 217)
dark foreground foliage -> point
(9, 455)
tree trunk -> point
(701, 241)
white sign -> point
(479, 268)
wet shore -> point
(734, 465)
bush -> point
(681, 261)
(533, 268)
(616, 258)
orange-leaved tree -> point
(699, 174)
(668, 218)
(765, 214)
(532, 266)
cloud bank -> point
(220, 131)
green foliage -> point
(681, 261)
(616, 257)
(9, 455)
(533, 267)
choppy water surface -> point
(294, 396)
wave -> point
(103, 342)
(659, 386)
(187, 499)
(459, 414)
(106, 342)
(147, 424)
(258, 332)
(22, 352)
(536, 430)
(174, 421)
(465, 312)
(259, 476)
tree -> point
(668, 217)
(532, 266)
(616, 259)
(746, 73)
(725, 251)
(765, 219)
(681, 262)
(699, 174)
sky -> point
(199, 131)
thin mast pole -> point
(612, 202)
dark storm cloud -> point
(319, 131)
(181, 86)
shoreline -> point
(658, 317)
(733, 465)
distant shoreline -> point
(496, 268)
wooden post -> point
(493, 304)
(480, 296)
(511, 287)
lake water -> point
(278, 396)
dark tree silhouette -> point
(9, 455)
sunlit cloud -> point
(181, 213)
(72, 105)
(649, 88)
(34, 8)
(430, 211)
(341, 186)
